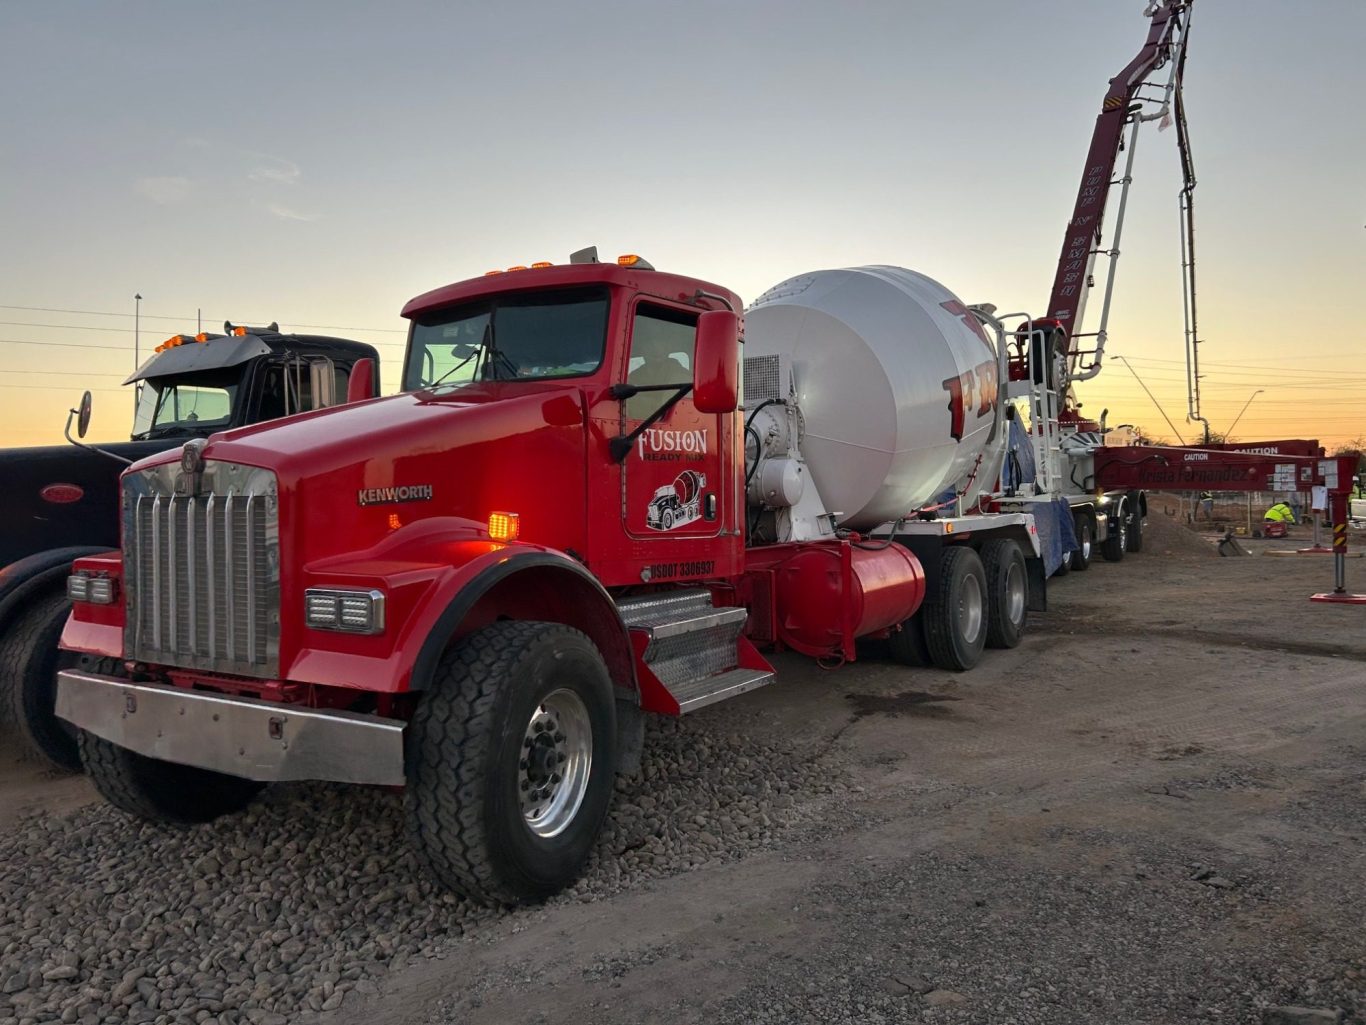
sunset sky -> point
(320, 163)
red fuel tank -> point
(819, 597)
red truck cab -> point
(460, 588)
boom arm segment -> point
(1082, 240)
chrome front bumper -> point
(259, 740)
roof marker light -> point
(201, 337)
(504, 526)
(518, 267)
(240, 332)
(491, 273)
(632, 260)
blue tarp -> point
(1056, 534)
(1023, 453)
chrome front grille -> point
(201, 568)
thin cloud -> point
(164, 190)
(286, 214)
(275, 170)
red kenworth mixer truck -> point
(574, 514)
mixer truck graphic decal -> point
(974, 389)
(678, 504)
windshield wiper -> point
(453, 369)
(497, 357)
(169, 430)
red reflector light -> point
(62, 494)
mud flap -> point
(630, 736)
(1038, 585)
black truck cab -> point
(60, 502)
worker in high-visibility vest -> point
(1280, 513)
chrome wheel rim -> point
(1015, 594)
(970, 610)
(556, 758)
(1086, 543)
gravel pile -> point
(279, 913)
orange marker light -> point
(629, 260)
(491, 273)
(201, 337)
(518, 267)
(239, 331)
(504, 526)
(542, 263)
(394, 521)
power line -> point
(162, 316)
(125, 349)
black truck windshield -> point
(191, 405)
(514, 337)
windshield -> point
(193, 404)
(514, 337)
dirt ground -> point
(1153, 810)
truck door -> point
(672, 477)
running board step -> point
(664, 607)
(697, 694)
(690, 649)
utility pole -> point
(137, 348)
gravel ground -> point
(280, 913)
(1152, 811)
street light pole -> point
(1228, 434)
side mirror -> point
(361, 383)
(716, 363)
(83, 416)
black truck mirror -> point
(83, 416)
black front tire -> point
(1007, 592)
(467, 761)
(1117, 541)
(956, 617)
(162, 792)
(29, 661)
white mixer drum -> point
(897, 385)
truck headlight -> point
(96, 590)
(356, 612)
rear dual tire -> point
(1007, 592)
(955, 617)
(1086, 532)
(1117, 540)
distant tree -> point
(1144, 438)
(1354, 447)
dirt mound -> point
(1167, 535)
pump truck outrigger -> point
(381, 594)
